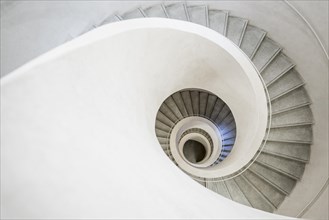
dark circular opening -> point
(194, 151)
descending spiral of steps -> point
(189, 103)
(280, 164)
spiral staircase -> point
(280, 161)
(280, 164)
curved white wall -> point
(78, 140)
(39, 33)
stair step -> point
(203, 102)
(291, 108)
(161, 133)
(177, 11)
(173, 107)
(292, 167)
(290, 150)
(188, 102)
(110, 19)
(227, 120)
(256, 199)
(235, 29)
(224, 154)
(228, 141)
(180, 103)
(167, 151)
(274, 196)
(222, 115)
(219, 187)
(284, 84)
(266, 52)
(219, 105)
(279, 180)
(164, 119)
(160, 125)
(210, 105)
(195, 102)
(284, 156)
(295, 98)
(301, 115)
(280, 65)
(163, 141)
(198, 14)
(168, 112)
(218, 20)
(202, 183)
(298, 134)
(164, 147)
(236, 193)
(269, 167)
(252, 39)
(230, 134)
(136, 13)
(269, 182)
(156, 11)
(230, 127)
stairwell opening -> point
(194, 151)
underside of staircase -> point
(280, 165)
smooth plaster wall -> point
(73, 157)
(51, 23)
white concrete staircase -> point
(280, 165)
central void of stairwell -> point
(98, 96)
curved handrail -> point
(309, 26)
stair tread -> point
(272, 195)
(160, 125)
(164, 119)
(235, 29)
(289, 150)
(156, 11)
(173, 107)
(198, 14)
(277, 170)
(218, 20)
(195, 102)
(289, 157)
(188, 102)
(252, 39)
(180, 103)
(297, 116)
(110, 19)
(210, 105)
(219, 188)
(298, 134)
(177, 11)
(291, 167)
(266, 52)
(279, 66)
(136, 13)
(236, 193)
(203, 102)
(254, 197)
(294, 98)
(283, 182)
(287, 82)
